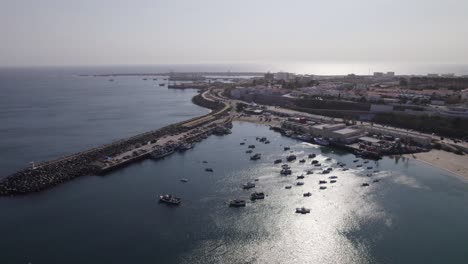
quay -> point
(120, 153)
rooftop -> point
(346, 131)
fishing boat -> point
(302, 210)
(248, 185)
(237, 203)
(257, 196)
(307, 194)
(257, 156)
(169, 199)
(321, 141)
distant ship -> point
(322, 141)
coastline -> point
(450, 162)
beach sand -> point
(451, 162)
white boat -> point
(321, 141)
(248, 185)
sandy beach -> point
(451, 162)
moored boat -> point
(237, 203)
(257, 196)
(248, 185)
(321, 141)
(302, 210)
(169, 199)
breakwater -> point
(52, 173)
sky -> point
(108, 32)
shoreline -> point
(447, 161)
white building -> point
(285, 76)
(464, 95)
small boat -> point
(267, 142)
(356, 160)
(285, 166)
(300, 177)
(186, 146)
(205, 161)
(249, 151)
(332, 181)
(169, 199)
(285, 172)
(299, 183)
(323, 187)
(328, 159)
(333, 177)
(184, 180)
(257, 156)
(302, 161)
(370, 168)
(307, 194)
(366, 161)
(314, 162)
(237, 203)
(321, 141)
(310, 172)
(318, 165)
(322, 182)
(325, 171)
(209, 169)
(329, 169)
(257, 196)
(256, 180)
(248, 185)
(286, 148)
(251, 146)
(302, 210)
(242, 143)
(376, 170)
(359, 165)
(344, 169)
(162, 84)
(278, 161)
(365, 184)
(311, 156)
(291, 157)
(288, 187)
(376, 180)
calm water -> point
(415, 214)
(45, 114)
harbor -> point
(120, 153)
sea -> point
(415, 213)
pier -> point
(117, 154)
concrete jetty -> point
(116, 154)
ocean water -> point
(48, 113)
(415, 213)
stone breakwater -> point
(52, 173)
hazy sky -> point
(90, 32)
